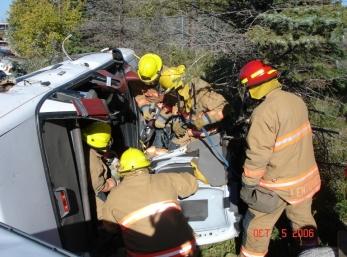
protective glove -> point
(147, 112)
(197, 172)
(179, 128)
(201, 122)
(162, 118)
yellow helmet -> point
(97, 134)
(132, 159)
(171, 78)
(149, 69)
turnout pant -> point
(258, 226)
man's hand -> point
(174, 110)
(155, 151)
(110, 183)
(153, 96)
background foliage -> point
(38, 27)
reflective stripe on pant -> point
(258, 226)
(296, 189)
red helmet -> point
(256, 72)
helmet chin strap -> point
(135, 172)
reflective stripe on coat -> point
(155, 208)
(293, 136)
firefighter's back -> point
(146, 207)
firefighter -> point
(97, 137)
(145, 207)
(197, 115)
(197, 102)
(149, 68)
(280, 171)
(149, 99)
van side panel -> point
(25, 202)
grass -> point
(222, 249)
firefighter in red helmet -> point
(280, 171)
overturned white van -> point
(43, 185)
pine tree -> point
(305, 41)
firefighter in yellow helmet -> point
(207, 104)
(146, 209)
(149, 68)
(198, 102)
(150, 100)
(97, 138)
(280, 171)
(199, 112)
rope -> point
(219, 155)
(214, 149)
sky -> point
(4, 6)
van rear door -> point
(58, 139)
(63, 152)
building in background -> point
(6, 64)
(3, 31)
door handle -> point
(62, 198)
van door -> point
(63, 151)
(62, 167)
